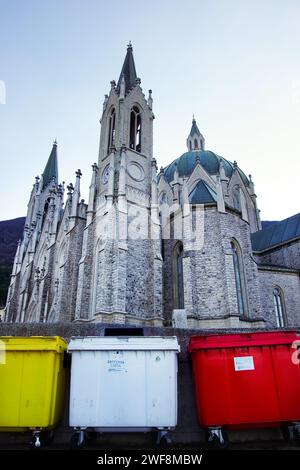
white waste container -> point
(123, 384)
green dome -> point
(209, 160)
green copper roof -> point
(276, 234)
(194, 129)
(51, 169)
(202, 194)
(209, 160)
(128, 70)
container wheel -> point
(296, 435)
(76, 440)
(287, 433)
(35, 441)
(218, 438)
(165, 442)
(163, 439)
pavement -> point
(257, 445)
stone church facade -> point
(182, 246)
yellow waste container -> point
(32, 384)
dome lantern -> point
(195, 140)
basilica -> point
(181, 245)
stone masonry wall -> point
(287, 255)
(168, 248)
(289, 284)
(211, 276)
(212, 272)
(207, 270)
(85, 270)
(233, 227)
(68, 290)
(139, 288)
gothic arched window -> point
(135, 129)
(45, 211)
(279, 307)
(239, 277)
(163, 198)
(196, 144)
(112, 130)
(178, 300)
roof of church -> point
(51, 168)
(202, 194)
(276, 234)
(194, 128)
(128, 70)
(209, 160)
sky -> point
(235, 64)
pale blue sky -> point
(235, 64)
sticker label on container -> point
(243, 363)
(116, 366)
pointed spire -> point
(195, 140)
(194, 128)
(105, 101)
(91, 204)
(150, 99)
(128, 71)
(37, 180)
(76, 194)
(50, 172)
(70, 189)
(251, 186)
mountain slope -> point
(10, 232)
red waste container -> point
(246, 380)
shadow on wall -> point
(10, 232)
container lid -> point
(123, 343)
(33, 343)
(242, 339)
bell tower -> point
(126, 126)
(127, 262)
